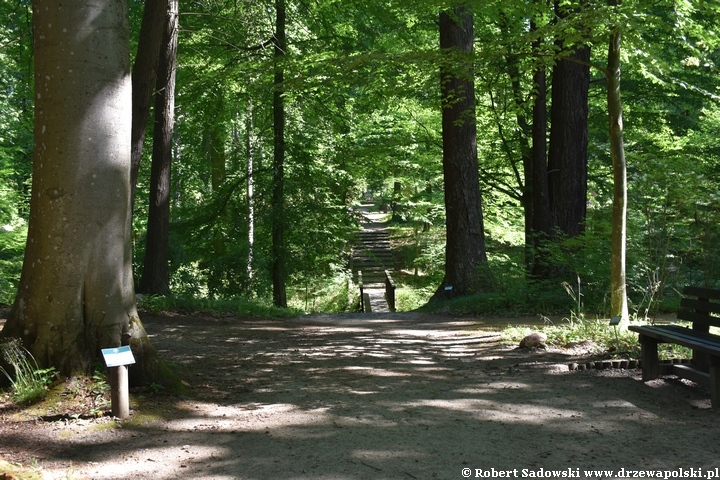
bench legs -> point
(651, 368)
(649, 358)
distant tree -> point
(541, 220)
(76, 291)
(144, 73)
(567, 154)
(466, 269)
(279, 267)
(618, 287)
(559, 166)
(155, 275)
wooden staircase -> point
(372, 255)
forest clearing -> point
(372, 396)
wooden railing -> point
(362, 294)
(389, 291)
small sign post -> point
(117, 359)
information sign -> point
(115, 357)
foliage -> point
(235, 306)
(409, 298)
(12, 247)
(88, 396)
(29, 382)
(363, 117)
(327, 293)
(15, 470)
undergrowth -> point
(235, 306)
(28, 382)
(605, 340)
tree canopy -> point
(361, 97)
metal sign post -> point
(117, 359)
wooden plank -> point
(702, 292)
(700, 305)
(690, 373)
(698, 318)
(366, 303)
(683, 330)
(706, 343)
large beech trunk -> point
(76, 288)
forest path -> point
(373, 396)
(372, 255)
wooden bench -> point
(698, 307)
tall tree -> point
(541, 217)
(144, 73)
(466, 269)
(567, 155)
(155, 275)
(278, 195)
(618, 289)
(76, 289)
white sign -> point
(114, 357)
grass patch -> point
(412, 298)
(28, 382)
(608, 341)
(75, 397)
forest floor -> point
(374, 396)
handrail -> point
(389, 291)
(362, 296)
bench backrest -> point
(697, 306)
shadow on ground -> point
(384, 396)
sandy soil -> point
(384, 396)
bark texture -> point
(76, 291)
(144, 75)
(156, 276)
(618, 288)
(279, 271)
(466, 269)
(567, 158)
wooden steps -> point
(372, 255)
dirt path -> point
(376, 397)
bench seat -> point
(705, 365)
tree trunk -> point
(156, 276)
(466, 269)
(278, 200)
(567, 158)
(143, 79)
(214, 142)
(618, 296)
(76, 288)
(526, 151)
(541, 218)
(251, 149)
